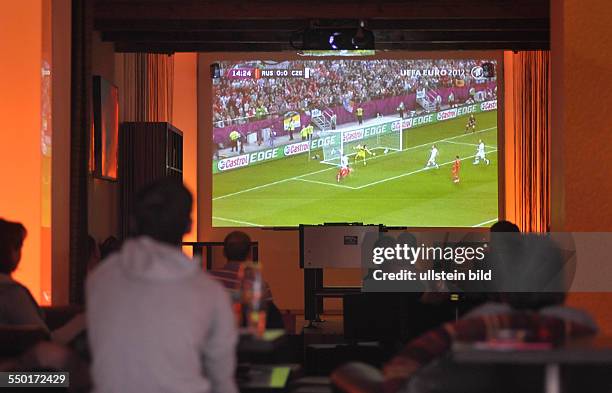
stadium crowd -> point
(332, 83)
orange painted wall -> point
(185, 118)
(582, 128)
(60, 187)
(20, 154)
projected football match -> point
(378, 141)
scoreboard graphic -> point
(258, 73)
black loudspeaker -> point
(147, 151)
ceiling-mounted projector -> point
(337, 38)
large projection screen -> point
(398, 138)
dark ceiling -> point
(267, 25)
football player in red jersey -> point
(456, 168)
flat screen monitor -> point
(407, 140)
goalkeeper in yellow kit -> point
(362, 150)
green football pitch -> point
(392, 189)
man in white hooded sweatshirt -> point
(156, 321)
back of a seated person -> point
(421, 365)
(551, 307)
(238, 252)
(156, 321)
(17, 306)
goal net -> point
(385, 135)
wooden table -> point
(597, 350)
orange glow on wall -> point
(581, 141)
(185, 118)
(46, 136)
(21, 166)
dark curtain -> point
(531, 111)
(146, 87)
(80, 123)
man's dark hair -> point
(12, 235)
(504, 226)
(109, 246)
(162, 211)
(237, 246)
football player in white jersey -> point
(432, 158)
(480, 154)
